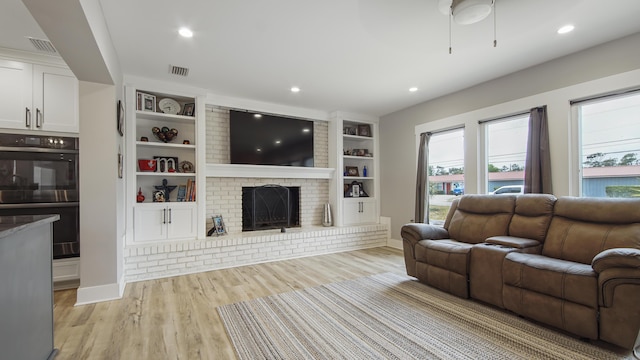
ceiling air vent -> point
(43, 45)
(177, 70)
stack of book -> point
(187, 192)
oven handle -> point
(37, 150)
(39, 205)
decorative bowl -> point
(164, 134)
(147, 164)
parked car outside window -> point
(509, 189)
(458, 191)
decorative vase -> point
(326, 218)
(140, 197)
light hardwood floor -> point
(176, 318)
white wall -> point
(101, 248)
(597, 70)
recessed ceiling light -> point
(185, 32)
(413, 89)
(295, 89)
(258, 150)
(306, 130)
(566, 29)
(278, 142)
(257, 116)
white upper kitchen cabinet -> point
(15, 94)
(55, 94)
(37, 97)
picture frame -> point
(350, 130)
(158, 196)
(218, 225)
(182, 193)
(355, 189)
(352, 171)
(120, 117)
(147, 102)
(189, 109)
(364, 130)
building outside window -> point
(609, 135)
(446, 172)
(506, 141)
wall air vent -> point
(177, 70)
(43, 45)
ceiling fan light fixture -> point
(465, 12)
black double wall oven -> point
(39, 175)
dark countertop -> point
(12, 224)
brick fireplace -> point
(224, 197)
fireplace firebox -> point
(270, 207)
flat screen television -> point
(261, 139)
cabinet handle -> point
(169, 216)
(360, 207)
(164, 216)
(39, 118)
(27, 118)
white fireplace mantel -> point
(267, 171)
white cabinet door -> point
(150, 223)
(165, 221)
(359, 211)
(181, 221)
(368, 212)
(55, 98)
(15, 95)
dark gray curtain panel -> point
(422, 182)
(537, 167)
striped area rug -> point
(389, 316)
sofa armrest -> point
(618, 297)
(525, 245)
(415, 232)
(616, 258)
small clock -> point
(169, 106)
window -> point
(609, 131)
(506, 141)
(446, 172)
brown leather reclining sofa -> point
(572, 263)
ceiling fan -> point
(465, 12)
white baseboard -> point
(94, 294)
(394, 243)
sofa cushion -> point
(478, 217)
(580, 241)
(561, 279)
(446, 254)
(599, 210)
(583, 227)
(532, 216)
